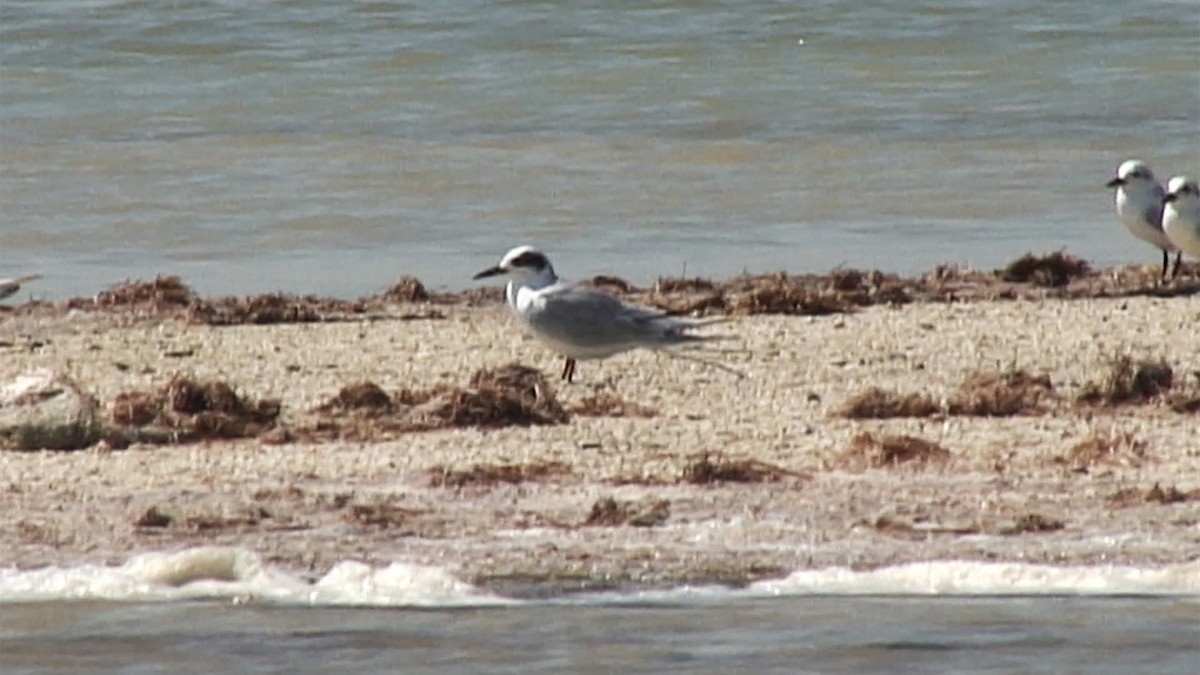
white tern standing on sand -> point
(580, 322)
(1181, 215)
(1140, 206)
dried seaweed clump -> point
(480, 296)
(1185, 403)
(1137, 280)
(517, 378)
(187, 410)
(1128, 381)
(612, 284)
(363, 411)
(870, 451)
(946, 283)
(847, 279)
(781, 294)
(869, 288)
(703, 469)
(1014, 392)
(1114, 449)
(381, 514)
(486, 408)
(407, 289)
(1155, 495)
(691, 304)
(359, 396)
(677, 296)
(605, 404)
(489, 475)
(272, 308)
(864, 288)
(1033, 523)
(513, 394)
(608, 512)
(876, 403)
(507, 396)
(162, 293)
(684, 285)
(154, 517)
(1169, 495)
(1047, 271)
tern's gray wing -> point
(593, 323)
(1154, 212)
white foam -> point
(355, 583)
(238, 574)
(955, 577)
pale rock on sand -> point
(45, 409)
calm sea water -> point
(331, 147)
(787, 635)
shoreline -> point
(843, 289)
(580, 504)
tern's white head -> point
(1133, 174)
(524, 265)
(1182, 191)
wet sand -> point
(1012, 489)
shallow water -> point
(214, 609)
(795, 635)
(329, 148)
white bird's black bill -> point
(489, 272)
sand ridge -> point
(1008, 492)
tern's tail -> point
(677, 331)
(675, 334)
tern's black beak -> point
(1170, 198)
(1116, 182)
(489, 272)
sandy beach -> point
(692, 473)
